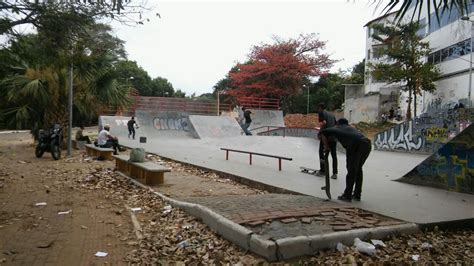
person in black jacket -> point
(357, 147)
(131, 127)
(327, 120)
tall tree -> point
(280, 69)
(406, 53)
(35, 88)
(162, 87)
(129, 72)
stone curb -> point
(281, 249)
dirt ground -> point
(85, 207)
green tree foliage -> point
(162, 87)
(179, 94)
(357, 74)
(406, 53)
(34, 83)
(40, 13)
(129, 72)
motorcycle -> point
(50, 141)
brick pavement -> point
(269, 211)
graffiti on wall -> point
(434, 128)
(400, 137)
(451, 167)
(436, 134)
(171, 123)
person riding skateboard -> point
(357, 147)
(327, 120)
(247, 121)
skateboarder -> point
(131, 127)
(327, 120)
(247, 121)
(357, 147)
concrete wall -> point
(358, 106)
(426, 133)
(451, 167)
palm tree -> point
(38, 98)
(437, 6)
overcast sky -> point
(195, 43)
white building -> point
(450, 41)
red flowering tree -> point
(280, 69)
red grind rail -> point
(259, 103)
(256, 153)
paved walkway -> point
(276, 216)
(381, 194)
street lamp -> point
(466, 18)
(307, 101)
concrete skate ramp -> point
(451, 167)
(162, 124)
(266, 118)
(203, 126)
(118, 125)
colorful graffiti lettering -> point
(399, 137)
(451, 167)
(436, 134)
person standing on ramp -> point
(327, 120)
(247, 121)
(131, 127)
(357, 147)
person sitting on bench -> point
(106, 140)
(80, 136)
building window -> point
(368, 54)
(451, 52)
(446, 18)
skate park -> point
(198, 140)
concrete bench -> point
(101, 153)
(78, 144)
(149, 172)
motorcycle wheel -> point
(39, 152)
(56, 152)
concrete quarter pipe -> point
(451, 167)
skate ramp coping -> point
(202, 126)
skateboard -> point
(327, 187)
(307, 170)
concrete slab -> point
(381, 194)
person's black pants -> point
(355, 160)
(332, 146)
(85, 138)
(111, 144)
(131, 132)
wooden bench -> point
(78, 144)
(149, 172)
(256, 153)
(101, 153)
